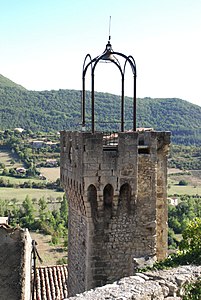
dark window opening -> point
(92, 198)
(143, 150)
(141, 142)
(108, 193)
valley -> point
(30, 190)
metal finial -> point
(109, 28)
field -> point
(10, 160)
(15, 180)
(193, 179)
(20, 194)
(184, 190)
(51, 173)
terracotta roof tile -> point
(51, 283)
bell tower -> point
(116, 189)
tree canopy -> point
(61, 110)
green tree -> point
(192, 291)
(28, 213)
(64, 210)
(12, 162)
(5, 172)
(191, 242)
(2, 165)
(12, 172)
(42, 204)
(3, 207)
(31, 172)
(183, 182)
(42, 207)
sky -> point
(43, 44)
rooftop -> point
(50, 282)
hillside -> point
(58, 110)
(5, 82)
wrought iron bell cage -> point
(111, 56)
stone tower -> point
(116, 190)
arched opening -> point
(92, 198)
(108, 193)
(125, 197)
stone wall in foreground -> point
(166, 284)
(15, 263)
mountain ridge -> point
(57, 110)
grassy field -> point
(15, 180)
(193, 178)
(182, 190)
(51, 173)
(20, 194)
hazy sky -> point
(43, 44)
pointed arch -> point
(92, 198)
(125, 196)
(108, 194)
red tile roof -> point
(51, 283)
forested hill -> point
(58, 110)
(5, 82)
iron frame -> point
(108, 55)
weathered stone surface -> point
(157, 285)
(117, 204)
(15, 264)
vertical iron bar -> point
(122, 104)
(83, 100)
(134, 105)
(92, 102)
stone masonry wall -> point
(146, 201)
(112, 193)
(158, 285)
(15, 264)
(161, 202)
(77, 233)
(71, 177)
(113, 230)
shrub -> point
(183, 182)
(190, 249)
(191, 243)
(192, 291)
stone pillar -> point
(163, 142)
